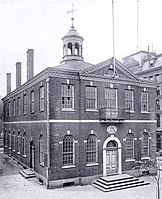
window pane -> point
(68, 150)
(41, 98)
(91, 156)
(67, 95)
(129, 146)
(145, 145)
(91, 97)
(144, 101)
(129, 100)
(42, 150)
(32, 101)
(110, 98)
(24, 104)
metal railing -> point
(106, 113)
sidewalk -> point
(8, 166)
(14, 186)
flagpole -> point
(113, 35)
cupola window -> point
(76, 49)
(69, 48)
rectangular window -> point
(9, 109)
(158, 120)
(157, 104)
(158, 90)
(129, 100)
(157, 78)
(24, 103)
(5, 110)
(67, 96)
(14, 107)
(144, 101)
(18, 105)
(41, 98)
(91, 98)
(32, 101)
(151, 63)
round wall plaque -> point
(111, 129)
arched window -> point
(111, 145)
(18, 142)
(68, 150)
(13, 140)
(24, 143)
(129, 146)
(91, 155)
(41, 150)
(9, 139)
(76, 49)
(5, 138)
(145, 144)
(69, 48)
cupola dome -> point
(72, 45)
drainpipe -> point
(79, 128)
(48, 135)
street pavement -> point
(14, 186)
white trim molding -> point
(112, 138)
(80, 121)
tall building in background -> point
(148, 65)
(75, 122)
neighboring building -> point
(77, 121)
(1, 127)
(148, 65)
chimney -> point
(30, 64)
(8, 83)
(18, 74)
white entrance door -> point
(111, 162)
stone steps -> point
(27, 173)
(118, 182)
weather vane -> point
(72, 17)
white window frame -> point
(66, 153)
(148, 146)
(146, 102)
(90, 152)
(94, 108)
(129, 101)
(128, 148)
(41, 98)
(63, 97)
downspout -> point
(79, 128)
(48, 135)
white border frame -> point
(112, 138)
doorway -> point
(111, 158)
(112, 162)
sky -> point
(41, 24)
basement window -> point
(67, 184)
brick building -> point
(74, 122)
(148, 65)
